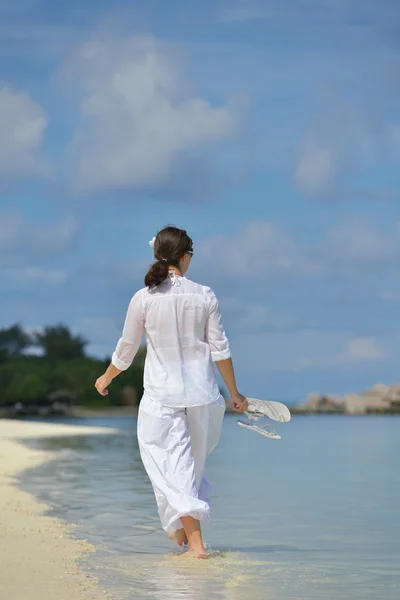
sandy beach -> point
(38, 558)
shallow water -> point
(314, 516)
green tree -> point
(58, 343)
(22, 380)
(13, 341)
(62, 366)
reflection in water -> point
(303, 519)
(224, 575)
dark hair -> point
(170, 245)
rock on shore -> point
(381, 398)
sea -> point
(313, 516)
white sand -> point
(38, 559)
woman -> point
(181, 412)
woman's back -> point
(182, 326)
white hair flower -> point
(151, 242)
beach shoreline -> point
(39, 559)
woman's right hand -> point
(239, 402)
(102, 384)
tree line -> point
(35, 365)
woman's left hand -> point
(239, 402)
(102, 384)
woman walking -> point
(181, 412)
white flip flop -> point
(276, 411)
(260, 430)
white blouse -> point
(182, 326)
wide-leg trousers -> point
(174, 444)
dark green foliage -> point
(13, 342)
(62, 365)
(57, 343)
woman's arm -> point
(127, 346)
(225, 367)
(220, 352)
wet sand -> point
(38, 558)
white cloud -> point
(139, 115)
(25, 276)
(23, 241)
(315, 168)
(260, 249)
(247, 315)
(362, 348)
(344, 138)
(255, 317)
(296, 351)
(22, 127)
(359, 242)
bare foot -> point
(181, 537)
(193, 532)
(198, 553)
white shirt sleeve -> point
(132, 333)
(215, 333)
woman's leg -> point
(166, 452)
(193, 533)
(205, 424)
(180, 536)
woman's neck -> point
(175, 270)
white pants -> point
(174, 444)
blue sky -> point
(269, 130)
